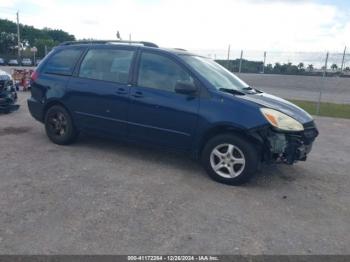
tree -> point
(8, 42)
(301, 66)
(58, 35)
(30, 37)
(334, 67)
(310, 67)
(269, 68)
(41, 43)
(291, 69)
(277, 68)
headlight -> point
(280, 120)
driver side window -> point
(159, 72)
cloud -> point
(298, 25)
(90, 22)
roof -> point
(91, 42)
(145, 44)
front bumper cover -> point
(288, 147)
(8, 99)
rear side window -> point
(62, 62)
(107, 65)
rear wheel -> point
(230, 159)
(59, 126)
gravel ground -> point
(98, 197)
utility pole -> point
(34, 50)
(240, 62)
(342, 62)
(228, 57)
(324, 79)
(263, 71)
(18, 40)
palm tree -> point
(310, 67)
(277, 68)
(301, 66)
(334, 67)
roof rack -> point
(90, 42)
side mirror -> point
(185, 88)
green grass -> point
(326, 109)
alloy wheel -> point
(227, 160)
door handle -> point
(121, 91)
(137, 94)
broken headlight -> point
(280, 120)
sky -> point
(274, 25)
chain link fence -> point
(292, 75)
(253, 61)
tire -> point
(235, 159)
(59, 126)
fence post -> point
(240, 62)
(342, 62)
(228, 57)
(320, 89)
(263, 71)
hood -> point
(5, 76)
(277, 103)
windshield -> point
(218, 76)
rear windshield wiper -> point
(232, 91)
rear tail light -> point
(34, 76)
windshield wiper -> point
(232, 91)
(248, 88)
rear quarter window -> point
(62, 62)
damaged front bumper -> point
(8, 99)
(288, 147)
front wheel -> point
(59, 126)
(230, 159)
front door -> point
(158, 114)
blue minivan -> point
(169, 98)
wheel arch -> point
(221, 129)
(54, 103)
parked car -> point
(171, 99)
(27, 62)
(2, 61)
(13, 62)
(37, 62)
(8, 95)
